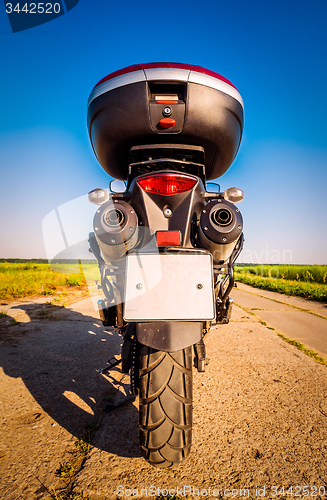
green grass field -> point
(26, 278)
(23, 279)
(301, 281)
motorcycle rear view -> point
(166, 246)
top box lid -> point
(165, 71)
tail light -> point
(166, 183)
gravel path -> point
(260, 413)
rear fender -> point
(169, 336)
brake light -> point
(166, 183)
(168, 238)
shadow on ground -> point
(57, 354)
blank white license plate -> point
(169, 287)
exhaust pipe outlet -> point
(116, 228)
(220, 226)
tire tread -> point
(165, 417)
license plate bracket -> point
(169, 286)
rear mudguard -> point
(169, 336)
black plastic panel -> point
(157, 113)
(169, 336)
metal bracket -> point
(125, 354)
(109, 408)
(200, 356)
(112, 364)
(224, 313)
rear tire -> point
(165, 397)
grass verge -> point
(19, 280)
(313, 291)
(309, 273)
(304, 349)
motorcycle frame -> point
(186, 208)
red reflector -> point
(167, 238)
(167, 102)
(167, 122)
(166, 183)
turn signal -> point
(98, 196)
(166, 183)
(234, 195)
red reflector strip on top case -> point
(164, 65)
(165, 71)
(168, 238)
(167, 102)
(166, 183)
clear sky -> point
(273, 51)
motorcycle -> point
(165, 243)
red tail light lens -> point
(166, 184)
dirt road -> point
(260, 412)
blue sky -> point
(274, 52)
